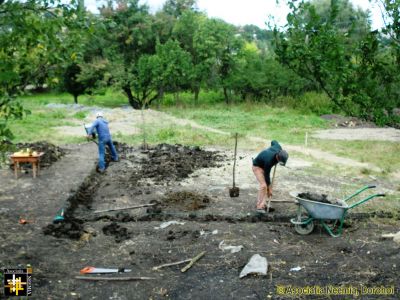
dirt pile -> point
(323, 198)
(176, 162)
(120, 233)
(72, 229)
(52, 153)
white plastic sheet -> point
(256, 265)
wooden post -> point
(234, 159)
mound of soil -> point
(175, 162)
(70, 228)
(52, 153)
(120, 233)
(318, 198)
(186, 201)
(314, 197)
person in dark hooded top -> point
(262, 166)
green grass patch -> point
(259, 120)
(109, 99)
(173, 134)
(385, 155)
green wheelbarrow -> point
(310, 211)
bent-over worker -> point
(101, 127)
(262, 166)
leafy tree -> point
(175, 67)
(354, 75)
(128, 35)
(211, 44)
(391, 17)
(227, 51)
(29, 46)
(177, 7)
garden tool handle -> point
(366, 199)
(359, 191)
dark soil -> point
(133, 239)
(175, 162)
(315, 197)
(120, 233)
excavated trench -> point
(164, 165)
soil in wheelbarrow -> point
(323, 198)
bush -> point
(313, 102)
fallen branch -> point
(193, 261)
(123, 208)
(113, 278)
(172, 264)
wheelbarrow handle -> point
(359, 191)
(365, 200)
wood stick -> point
(272, 186)
(123, 208)
(193, 261)
(113, 278)
(388, 235)
(171, 264)
(234, 159)
(283, 201)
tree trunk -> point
(132, 100)
(196, 91)
(76, 99)
(226, 95)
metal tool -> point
(87, 126)
(59, 217)
(234, 191)
(93, 270)
(272, 188)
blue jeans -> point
(102, 150)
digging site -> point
(160, 224)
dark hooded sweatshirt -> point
(267, 159)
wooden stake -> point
(112, 278)
(193, 261)
(123, 208)
(234, 159)
(171, 264)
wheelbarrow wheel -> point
(304, 229)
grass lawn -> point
(248, 119)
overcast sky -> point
(242, 12)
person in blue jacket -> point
(101, 127)
(262, 166)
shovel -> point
(234, 191)
(272, 187)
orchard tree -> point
(30, 44)
(356, 76)
(127, 36)
(175, 67)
